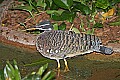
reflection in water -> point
(80, 67)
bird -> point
(58, 44)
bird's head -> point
(44, 26)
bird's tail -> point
(105, 50)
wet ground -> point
(88, 67)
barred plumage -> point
(62, 44)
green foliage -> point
(62, 26)
(32, 77)
(40, 75)
(75, 30)
(61, 10)
(42, 69)
(98, 25)
(102, 4)
(2, 75)
(55, 26)
(83, 8)
(11, 72)
(65, 15)
(41, 3)
(66, 4)
(90, 28)
(59, 27)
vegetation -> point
(11, 72)
(62, 10)
(66, 10)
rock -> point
(19, 36)
(114, 46)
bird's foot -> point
(57, 69)
(66, 66)
(66, 69)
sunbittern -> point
(62, 44)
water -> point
(22, 56)
(81, 68)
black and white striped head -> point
(44, 25)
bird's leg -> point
(58, 68)
(58, 62)
(66, 66)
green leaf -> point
(91, 32)
(17, 72)
(65, 15)
(42, 69)
(113, 2)
(51, 76)
(48, 4)
(46, 75)
(98, 25)
(32, 77)
(53, 6)
(55, 26)
(66, 4)
(56, 16)
(2, 75)
(102, 4)
(26, 8)
(9, 70)
(33, 4)
(83, 8)
(12, 72)
(41, 74)
(41, 3)
(62, 26)
(54, 11)
(75, 30)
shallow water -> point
(80, 67)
